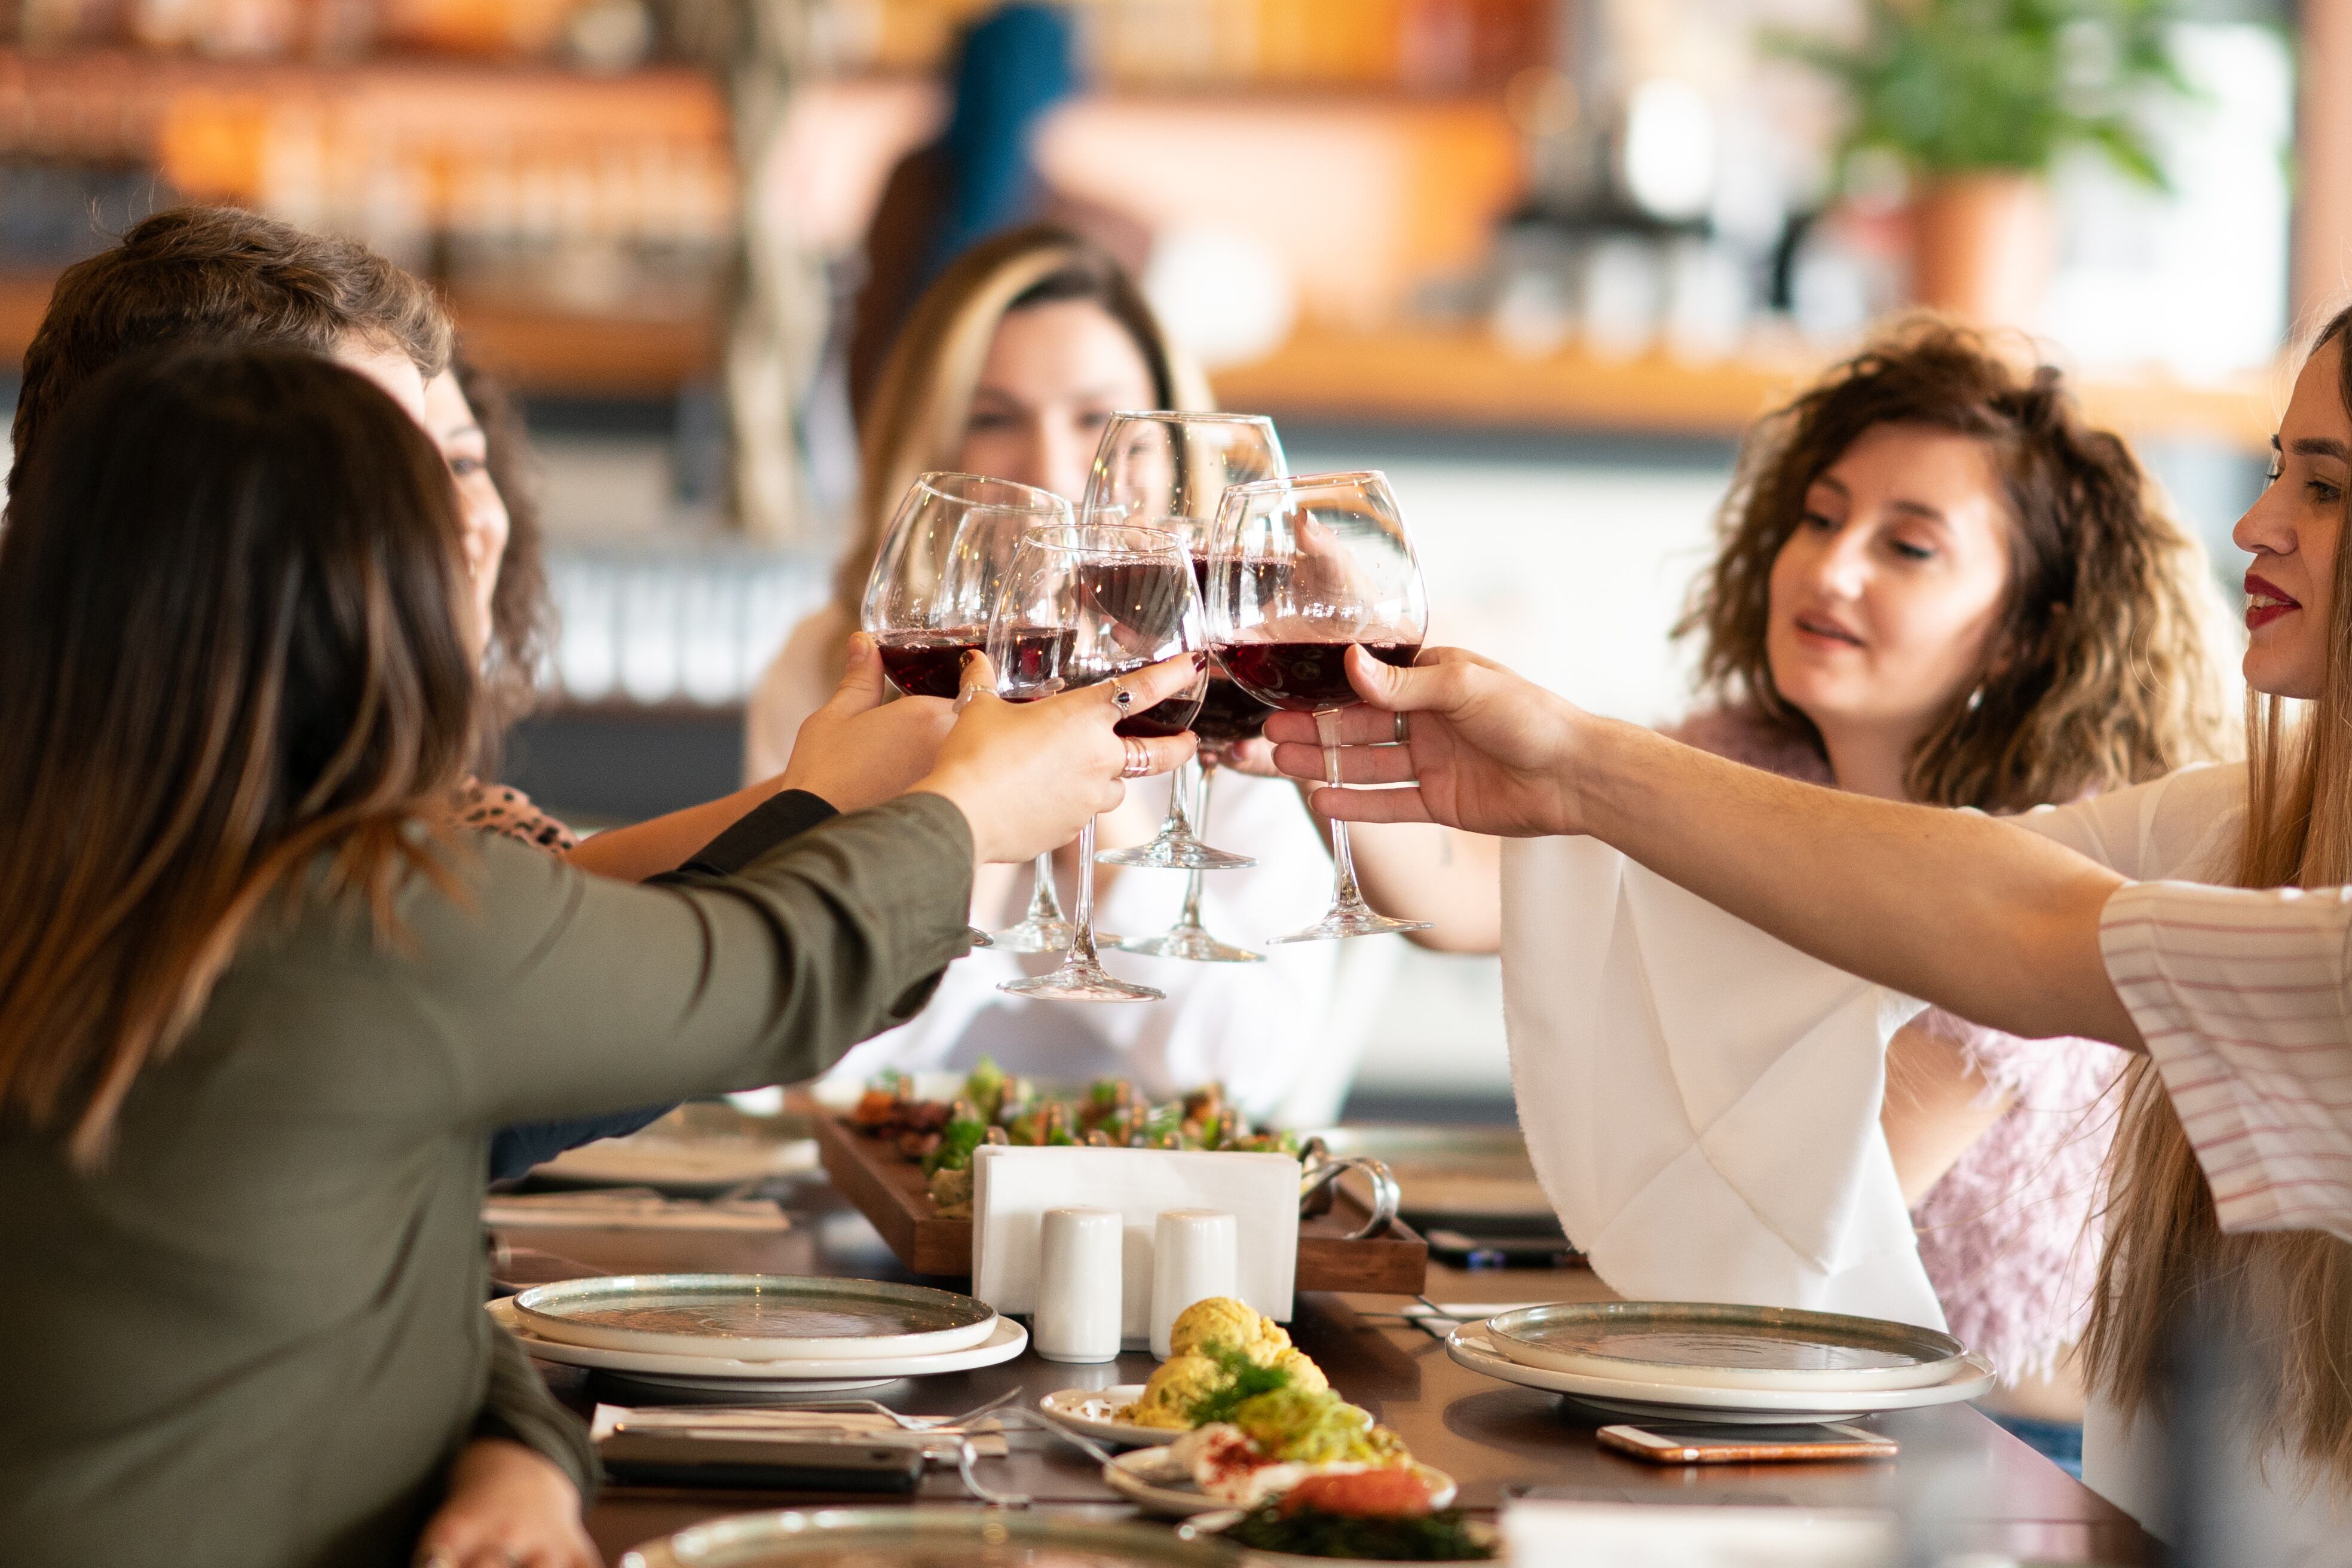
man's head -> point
(217, 275)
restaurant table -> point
(1961, 1481)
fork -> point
(906, 1423)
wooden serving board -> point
(895, 1195)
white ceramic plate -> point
(1156, 1480)
(922, 1537)
(755, 1317)
(1469, 1346)
(1717, 1345)
(1008, 1340)
(1087, 1411)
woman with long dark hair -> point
(261, 1002)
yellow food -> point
(1175, 1387)
(1304, 1373)
(1221, 1320)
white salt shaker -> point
(1078, 1296)
(1195, 1254)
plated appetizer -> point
(997, 1107)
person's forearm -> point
(664, 843)
(1988, 921)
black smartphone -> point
(1465, 1250)
(1728, 1445)
(759, 1464)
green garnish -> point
(1242, 1379)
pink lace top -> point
(2006, 1235)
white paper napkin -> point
(1700, 1099)
(1012, 1188)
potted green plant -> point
(1976, 99)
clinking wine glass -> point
(927, 600)
(1081, 606)
(1300, 570)
(1168, 470)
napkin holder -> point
(1013, 1187)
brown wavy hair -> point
(2281, 1299)
(223, 276)
(230, 659)
(2101, 670)
(522, 612)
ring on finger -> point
(1139, 760)
(437, 1558)
(1403, 732)
(1121, 697)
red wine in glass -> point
(1228, 715)
(1172, 716)
(1305, 676)
(929, 664)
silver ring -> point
(1121, 697)
(1139, 760)
(437, 1558)
(1402, 733)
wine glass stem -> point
(1045, 903)
(1345, 894)
(1082, 939)
(1194, 880)
(1180, 819)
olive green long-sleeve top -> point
(255, 1336)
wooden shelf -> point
(1433, 376)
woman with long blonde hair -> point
(2230, 1213)
(1010, 366)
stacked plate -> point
(1688, 1360)
(734, 1335)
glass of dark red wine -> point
(927, 600)
(1081, 606)
(1168, 469)
(1300, 570)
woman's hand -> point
(508, 1507)
(859, 749)
(1027, 775)
(1486, 750)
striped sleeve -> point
(2242, 998)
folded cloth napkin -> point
(1700, 1099)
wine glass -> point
(1167, 469)
(1080, 606)
(927, 604)
(1298, 570)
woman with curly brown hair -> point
(1936, 584)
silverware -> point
(1045, 1423)
(905, 1422)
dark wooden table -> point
(1982, 1488)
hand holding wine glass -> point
(1305, 574)
(1091, 607)
(1029, 776)
(858, 750)
(1485, 749)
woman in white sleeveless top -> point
(2233, 1174)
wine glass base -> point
(1190, 943)
(1078, 983)
(1034, 936)
(1342, 923)
(1174, 855)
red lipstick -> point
(2267, 601)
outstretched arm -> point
(1988, 921)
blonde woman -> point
(2232, 1203)
(1010, 366)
